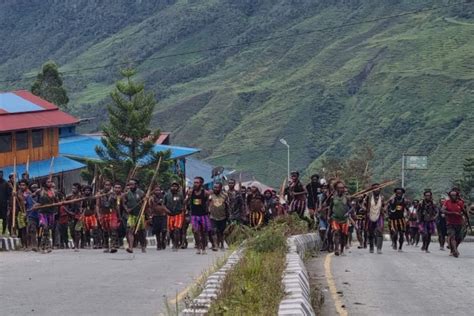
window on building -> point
(21, 140)
(5, 142)
(37, 137)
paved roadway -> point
(407, 283)
(90, 282)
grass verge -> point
(254, 286)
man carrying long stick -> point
(197, 198)
(133, 200)
(47, 214)
(374, 205)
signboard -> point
(416, 162)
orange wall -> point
(49, 149)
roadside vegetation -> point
(254, 286)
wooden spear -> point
(147, 195)
(51, 169)
(69, 201)
(380, 186)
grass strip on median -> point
(254, 286)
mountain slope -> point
(403, 84)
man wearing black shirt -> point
(4, 196)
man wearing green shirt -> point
(219, 210)
(339, 212)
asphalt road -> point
(90, 282)
(407, 283)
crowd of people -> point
(371, 214)
(102, 218)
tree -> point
(49, 85)
(128, 141)
(356, 171)
(466, 183)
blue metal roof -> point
(12, 103)
(82, 146)
(195, 168)
(41, 168)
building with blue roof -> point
(83, 147)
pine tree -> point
(49, 85)
(128, 141)
(466, 183)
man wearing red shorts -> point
(339, 212)
(88, 216)
(108, 216)
(174, 202)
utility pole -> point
(284, 142)
(403, 170)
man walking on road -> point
(339, 211)
(235, 202)
(174, 202)
(159, 217)
(441, 225)
(427, 213)
(453, 208)
(397, 207)
(375, 206)
(219, 212)
(133, 200)
(197, 198)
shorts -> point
(375, 228)
(90, 222)
(46, 220)
(298, 207)
(158, 224)
(323, 224)
(109, 221)
(133, 221)
(360, 224)
(343, 227)
(175, 221)
(256, 218)
(427, 227)
(219, 226)
(455, 231)
(398, 225)
(201, 222)
(442, 229)
(21, 220)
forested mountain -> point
(267, 69)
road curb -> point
(295, 279)
(386, 237)
(9, 243)
(201, 304)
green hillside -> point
(403, 84)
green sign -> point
(416, 162)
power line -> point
(295, 34)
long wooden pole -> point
(14, 195)
(380, 186)
(147, 195)
(51, 169)
(70, 201)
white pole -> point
(403, 170)
(288, 162)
